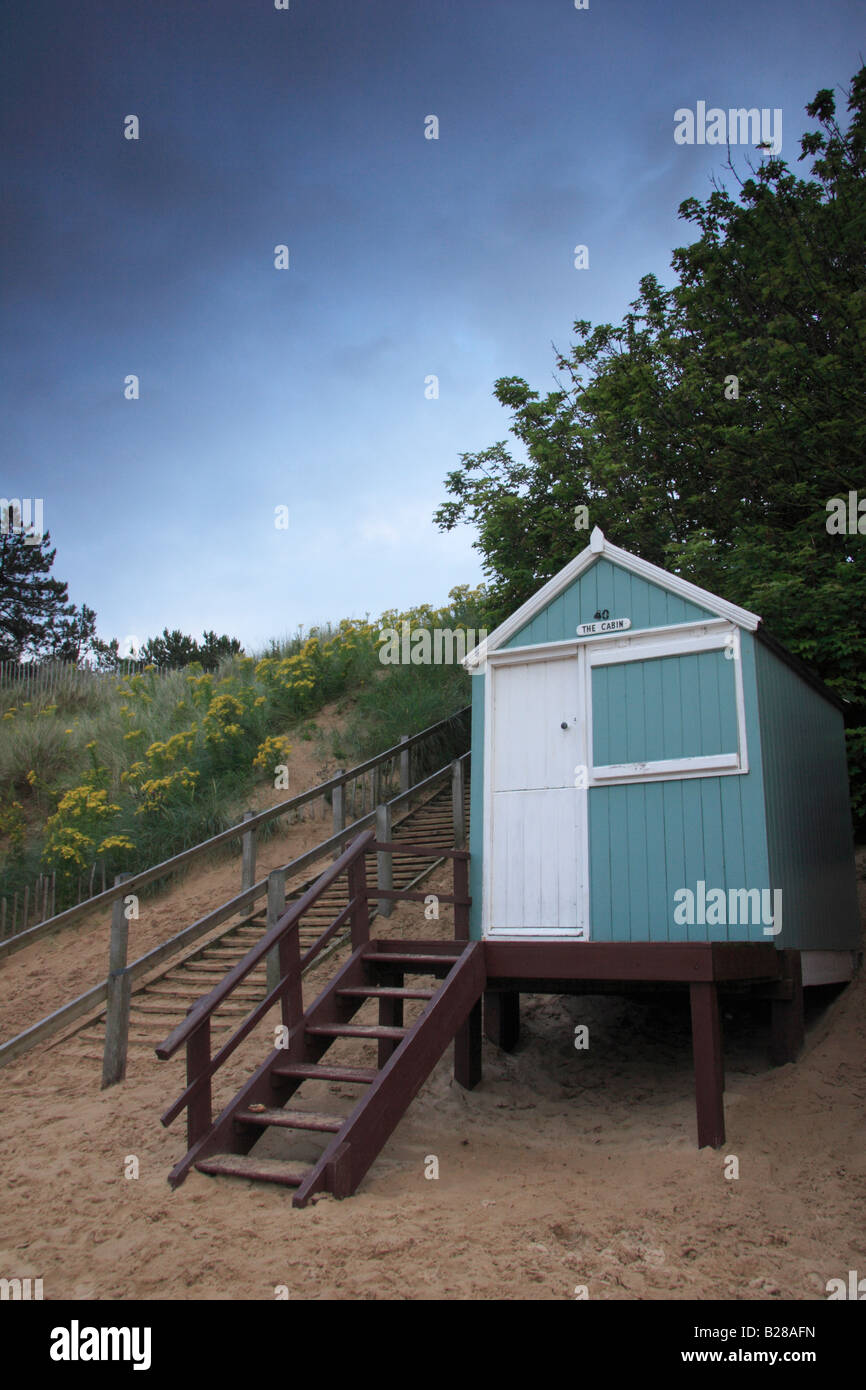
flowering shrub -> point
(272, 753)
(12, 823)
(72, 832)
(159, 793)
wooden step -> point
(256, 1169)
(225, 1010)
(410, 962)
(293, 1119)
(354, 1030)
(315, 1071)
(168, 990)
(215, 972)
(385, 992)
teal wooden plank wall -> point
(605, 585)
(808, 810)
(667, 707)
(649, 839)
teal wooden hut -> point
(650, 769)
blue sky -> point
(408, 257)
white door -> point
(536, 815)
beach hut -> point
(659, 793)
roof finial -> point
(596, 540)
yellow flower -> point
(115, 842)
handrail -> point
(209, 1003)
(167, 866)
(283, 937)
(243, 901)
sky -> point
(308, 388)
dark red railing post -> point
(461, 893)
(199, 1114)
(292, 997)
(360, 919)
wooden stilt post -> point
(117, 1010)
(709, 1075)
(467, 1050)
(384, 866)
(788, 1027)
(276, 908)
(502, 1017)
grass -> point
(127, 771)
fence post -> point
(338, 807)
(117, 1010)
(276, 908)
(384, 869)
(458, 804)
(404, 764)
(248, 857)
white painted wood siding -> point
(538, 815)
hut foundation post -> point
(709, 1069)
(787, 1011)
(467, 1050)
(502, 1017)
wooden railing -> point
(398, 756)
(117, 987)
(283, 940)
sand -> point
(563, 1170)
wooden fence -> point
(55, 677)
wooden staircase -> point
(162, 1003)
(406, 1053)
(312, 1145)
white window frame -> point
(682, 640)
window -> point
(666, 707)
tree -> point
(175, 649)
(724, 482)
(36, 617)
(710, 430)
(213, 649)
